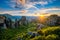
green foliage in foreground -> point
(13, 34)
(48, 33)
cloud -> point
(43, 3)
(37, 13)
(47, 10)
(14, 12)
(30, 3)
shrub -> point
(51, 37)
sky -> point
(29, 7)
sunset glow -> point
(42, 18)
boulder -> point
(39, 26)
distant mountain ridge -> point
(18, 17)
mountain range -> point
(18, 17)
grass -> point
(49, 33)
(46, 33)
(13, 34)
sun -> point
(42, 15)
(42, 18)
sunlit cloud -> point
(27, 7)
(28, 3)
(37, 13)
(14, 12)
(46, 10)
